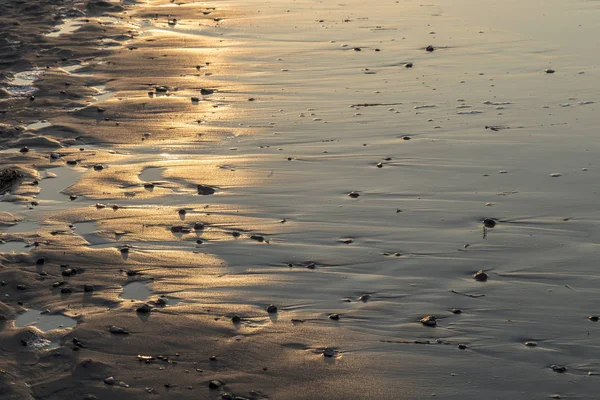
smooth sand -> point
(205, 152)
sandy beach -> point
(299, 199)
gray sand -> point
(259, 119)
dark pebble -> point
(144, 309)
(480, 276)
(462, 346)
(489, 223)
(429, 320)
(236, 319)
(329, 352)
(334, 317)
(206, 92)
(24, 149)
(214, 384)
(559, 368)
(594, 318)
(354, 195)
(271, 309)
(430, 48)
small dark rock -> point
(236, 319)
(205, 190)
(24, 149)
(559, 368)
(118, 330)
(480, 276)
(144, 309)
(489, 223)
(329, 352)
(206, 92)
(430, 48)
(334, 317)
(594, 318)
(462, 346)
(214, 384)
(429, 320)
(88, 288)
(353, 195)
(271, 309)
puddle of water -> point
(69, 26)
(136, 291)
(39, 125)
(13, 247)
(24, 226)
(22, 83)
(151, 174)
(85, 228)
(51, 188)
(44, 322)
(13, 208)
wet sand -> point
(171, 170)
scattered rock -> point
(462, 346)
(88, 288)
(559, 368)
(530, 343)
(594, 318)
(271, 309)
(429, 320)
(353, 195)
(258, 238)
(329, 352)
(236, 319)
(408, 65)
(334, 317)
(206, 92)
(205, 190)
(480, 276)
(214, 384)
(110, 380)
(118, 330)
(489, 223)
(430, 48)
(144, 309)
(550, 71)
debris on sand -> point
(480, 276)
(9, 178)
(272, 309)
(429, 320)
(118, 330)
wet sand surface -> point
(299, 200)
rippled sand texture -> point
(189, 164)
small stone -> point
(66, 290)
(271, 309)
(198, 226)
(365, 297)
(480, 276)
(405, 137)
(329, 352)
(429, 320)
(118, 330)
(181, 212)
(408, 65)
(489, 223)
(236, 319)
(98, 167)
(462, 346)
(24, 149)
(258, 238)
(195, 99)
(430, 48)
(40, 261)
(144, 309)
(353, 195)
(88, 288)
(550, 71)
(594, 318)
(456, 311)
(334, 317)
(206, 92)
(214, 384)
(110, 380)
(559, 368)
(379, 165)
(205, 190)
(161, 89)
(212, 358)
(530, 344)
(100, 109)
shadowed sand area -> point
(170, 170)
